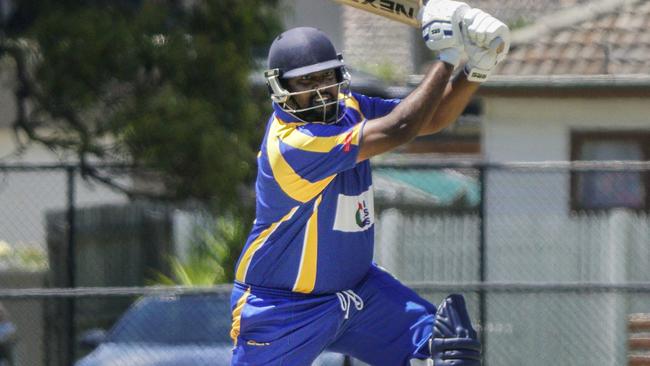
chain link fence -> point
(552, 257)
(565, 239)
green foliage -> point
(26, 258)
(519, 23)
(154, 83)
(387, 72)
(210, 260)
(193, 272)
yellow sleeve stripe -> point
(291, 136)
(351, 102)
(289, 181)
(242, 269)
(306, 279)
(236, 316)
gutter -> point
(632, 85)
(636, 85)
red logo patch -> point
(347, 142)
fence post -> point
(72, 267)
(482, 213)
(615, 263)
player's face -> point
(323, 87)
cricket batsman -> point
(305, 280)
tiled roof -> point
(523, 11)
(611, 37)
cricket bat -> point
(403, 11)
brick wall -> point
(371, 41)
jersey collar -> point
(285, 116)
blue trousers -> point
(379, 321)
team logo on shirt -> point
(363, 214)
(354, 213)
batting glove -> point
(482, 34)
(454, 342)
(441, 22)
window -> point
(599, 190)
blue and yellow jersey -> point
(314, 227)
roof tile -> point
(615, 42)
(523, 11)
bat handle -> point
(498, 45)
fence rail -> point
(496, 287)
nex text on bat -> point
(390, 6)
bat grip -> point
(498, 45)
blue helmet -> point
(298, 52)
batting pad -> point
(454, 341)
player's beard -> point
(327, 114)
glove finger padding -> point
(481, 62)
(454, 341)
(441, 22)
(482, 28)
(476, 22)
(482, 36)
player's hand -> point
(441, 22)
(483, 30)
(481, 34)
(454, 342)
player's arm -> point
(406, 121)
(479, 31)
(457, 95)
(441, 32)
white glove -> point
(483, 29)
(441, 31)
(482, 33)
(480, 63)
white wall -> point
(25, 196)
(538, 129)
(33, 154)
